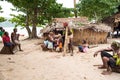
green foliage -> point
(19, 20)
(46, 9)
(97, 9)
(37, 12)
(2, 19)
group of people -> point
(55, 41)
(10, 42)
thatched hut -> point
(93, 33)
(82, 30)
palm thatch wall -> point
(91, 36)
(92, 33)
(82, 30)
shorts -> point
(8, 44)
(112, 62)
(17, 42)
(105, 54)
(50, 45)
(80, 48)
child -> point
(84, 47)
(60, 45)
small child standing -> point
(60, 45)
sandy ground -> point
(34, 64)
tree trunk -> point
(27, 26)
(75, 11)
(34, 20)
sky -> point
(67, 3)
(6, 6)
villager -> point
(110, 61)
(70, 41)
(84, 47)
(45, 44)
(15, 38)
(51, 41)
(6, 42)
(59, 43)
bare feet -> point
(98, 65)
(20, 50)
(106, 72)
(102, 67)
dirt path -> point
(34, 64)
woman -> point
(6, 41)
(51, 41)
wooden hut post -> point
(66, 38)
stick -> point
(66, 41)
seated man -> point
(110, 61)
(15, 38)
(6, 42)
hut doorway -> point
(117, 29)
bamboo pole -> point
(66, 41)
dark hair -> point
(84, 41)
(1, 28)
(14, 29)
(5, 33)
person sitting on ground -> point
(59, 42)
(109, 61)
(51, 41)
(84, 47)
(6, 41)
(15, 38)
(45, 44)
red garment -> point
(6, 39)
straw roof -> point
(62, 20)
(76, 23)
(117, 17)
(112, 20)
(100, 27)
